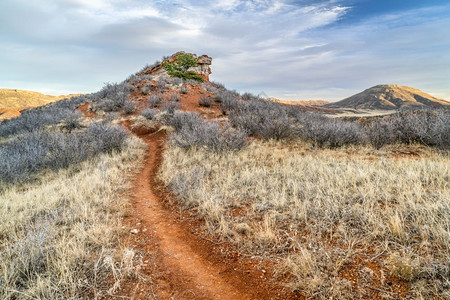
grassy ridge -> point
(12, 101)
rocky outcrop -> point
(203, 67)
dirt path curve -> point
(202, 278)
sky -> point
(289, 49)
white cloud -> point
(267, 45)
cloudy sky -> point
(291, 49)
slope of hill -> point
(389, 96)
(12, 101)
(301, 102)
(160, 187)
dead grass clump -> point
(330, 213)
(60, 237)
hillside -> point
(301, 102)
(389, 97)
(170, 186)
(12, 101)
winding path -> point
(190, 270)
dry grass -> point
(13, 101)
(60, 238)
(342, 223)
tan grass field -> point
(60, 237)
(12, 101)
(361, 113)
(342, 224)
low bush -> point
(380, 133)
(73, 120)
(112, 97)
(261, 118)
(217, 85)
(428, 127)
(184, 89)
(146, 90)
(25, 155)
(175, 80)
(205, 101)
(328, 132)
(161, 84)
(228, 100)
(193, 131)
(182, 119)
(129, 107)
(134, 78)
(155, 100)
(249, 96)
(174, 97)
(170, 107)
(149, 113)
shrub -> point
(139, 77)
(129, 107)
(380, 133)
(149, 113)
(155, 100)
(108, 138)
(146, 89)
(180, 68)
(205, 101)
(182, 119)
(328, 132)
(161, 84)
(184, 89)
(112, 97)
(261, 118)
(72, 121)
(170, 107)
(23, 156)
(196, 132)
(217, 85)
(174, 97)
(249, 96)
(428, 127)
(106, 105)
(114, 91)
(228, 100)
(175, 80)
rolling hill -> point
(389, 97)
(13, 101)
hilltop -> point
(389, 97)
(12, 101)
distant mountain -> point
(389, 96)
(12, 101)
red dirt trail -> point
(181, 255)
(177, 262)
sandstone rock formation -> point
(203, 68)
